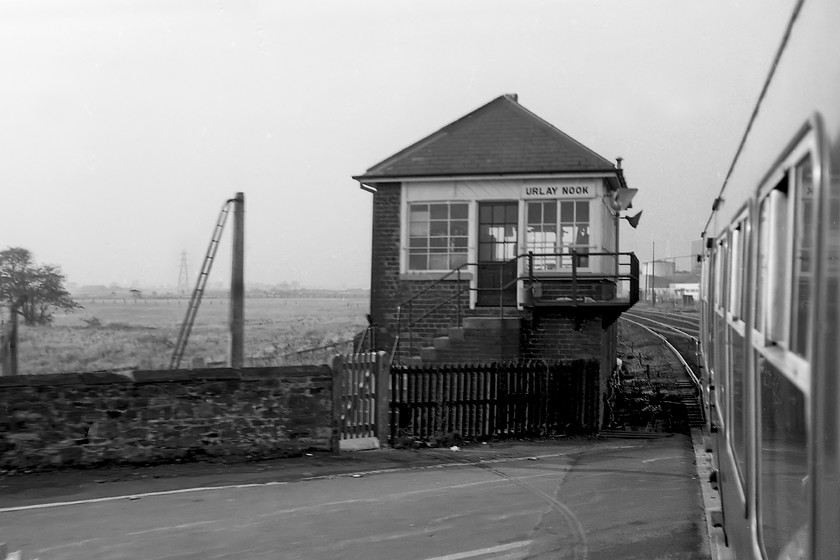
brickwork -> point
(385, 261)
(499, 344)
(49, 421)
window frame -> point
(407, 236)
(584, 262)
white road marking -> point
(313, 478)
(482, 551)
(661, 458)
(138, 496)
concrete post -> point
(237, 284)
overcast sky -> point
(125, 125)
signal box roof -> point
(499, 138)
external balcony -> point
(580, 280)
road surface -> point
(576, 499)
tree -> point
(41, 288)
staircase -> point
(479, 339)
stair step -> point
(428, 354)
(456, 334)
(440, 342)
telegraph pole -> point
(237, 284)
(653, 275)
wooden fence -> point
(500, 400)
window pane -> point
(418, 242)
(779, 257)
(457, 259)
(418, 262)
(485, 213)
(783, 499)
(439, 211)
(458, 211)
(438, 262)
(459, 244)
(582, 211)
(582, 239)
(567, 235)
(739, 396)
(458, 228)
(567, 212)
(512, 214)
(438, 229)
(438, 242)
(419, 211)
(534, 211)
(550, 213)
(803, 247)
(498, 214)
(763, 264)
(417, 229)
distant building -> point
(494, 239)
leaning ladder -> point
(198, 292)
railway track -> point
(673, 322)
(678, 335)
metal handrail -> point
(633, 276)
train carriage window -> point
(737, 348)
(802, 263)
(737, 273)
(785, 496)
(720, 325)
(771, 301)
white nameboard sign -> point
(559, 191)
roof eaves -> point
(610, 171)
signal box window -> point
(437, 235)
(550, 231)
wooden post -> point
(383, 397)
(338, 372)
(9, 343)
(237, 284)
(13, 344)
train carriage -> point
(769, 306)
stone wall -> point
(63, 420)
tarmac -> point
(28, 490)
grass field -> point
(141, 334)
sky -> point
(127, 124)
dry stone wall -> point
(77, 420)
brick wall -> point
(551, 334)
(385, 260)
(49, 421)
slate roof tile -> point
(501, 137)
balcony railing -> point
(578, 288)
(557, 287)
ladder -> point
(198, 292)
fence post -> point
(382, 373)
(338, 373)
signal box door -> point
(497, 245)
